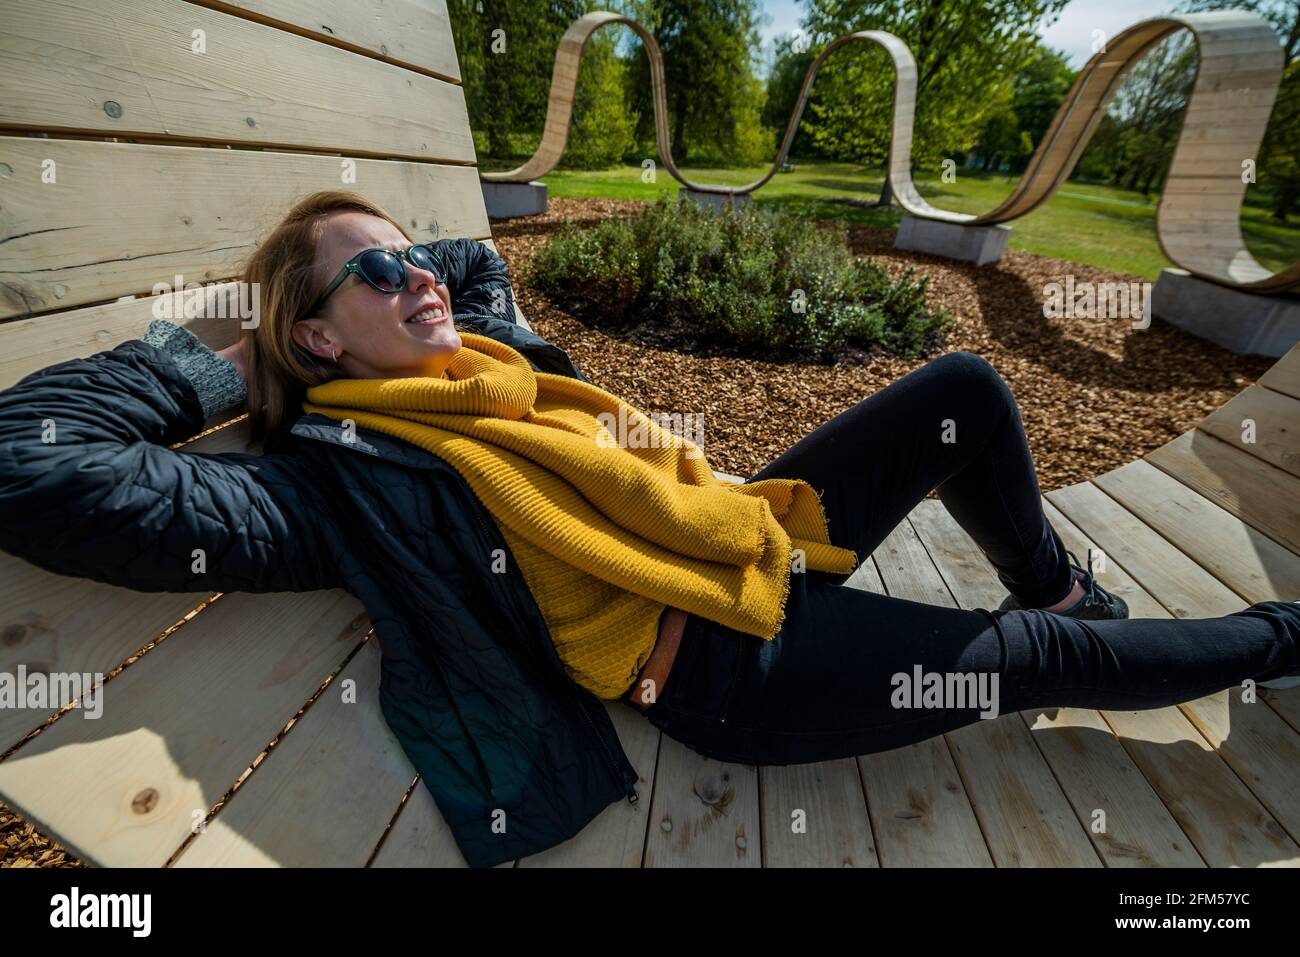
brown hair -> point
(279, 371)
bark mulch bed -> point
(1093, 393)
(21, 845)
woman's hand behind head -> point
(235, 355)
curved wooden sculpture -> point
(1198, 221)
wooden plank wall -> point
(140, 141)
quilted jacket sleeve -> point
(89, 487)
(477, 278)
(482, 302)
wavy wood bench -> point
(227, 713)
(1238, 71)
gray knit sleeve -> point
(216, 380)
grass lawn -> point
(1101, 226)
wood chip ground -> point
(1093, 393)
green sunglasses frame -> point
(353, 266)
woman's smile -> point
(429, 315)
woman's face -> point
(377, 335)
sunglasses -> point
(383, 270)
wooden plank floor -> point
(1214, 782)
(1202, 527)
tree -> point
(1280, 160)
(506, 50)
(710, 51)
(1040, 89)
(602, 129)
(967, 55)
(754, 141)
(715, 103)
(1148, 109)
(1013, 134)
(790, 66)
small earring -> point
(334, 356)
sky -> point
(1072, 32)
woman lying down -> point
(458, 474)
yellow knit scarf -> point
(652, 520)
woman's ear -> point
(308, 334)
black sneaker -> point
(1096, 603)
(1287, 681)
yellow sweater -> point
(607, 528)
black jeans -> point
(840, 678)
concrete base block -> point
(504, 200)
(1242, 322)
(973, 244)
(714, 201)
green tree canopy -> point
(507, 54)
(710, 50)
(790, 66)
(968, 55)
(1011, 135)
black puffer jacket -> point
(470, 684)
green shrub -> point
(770, 285)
